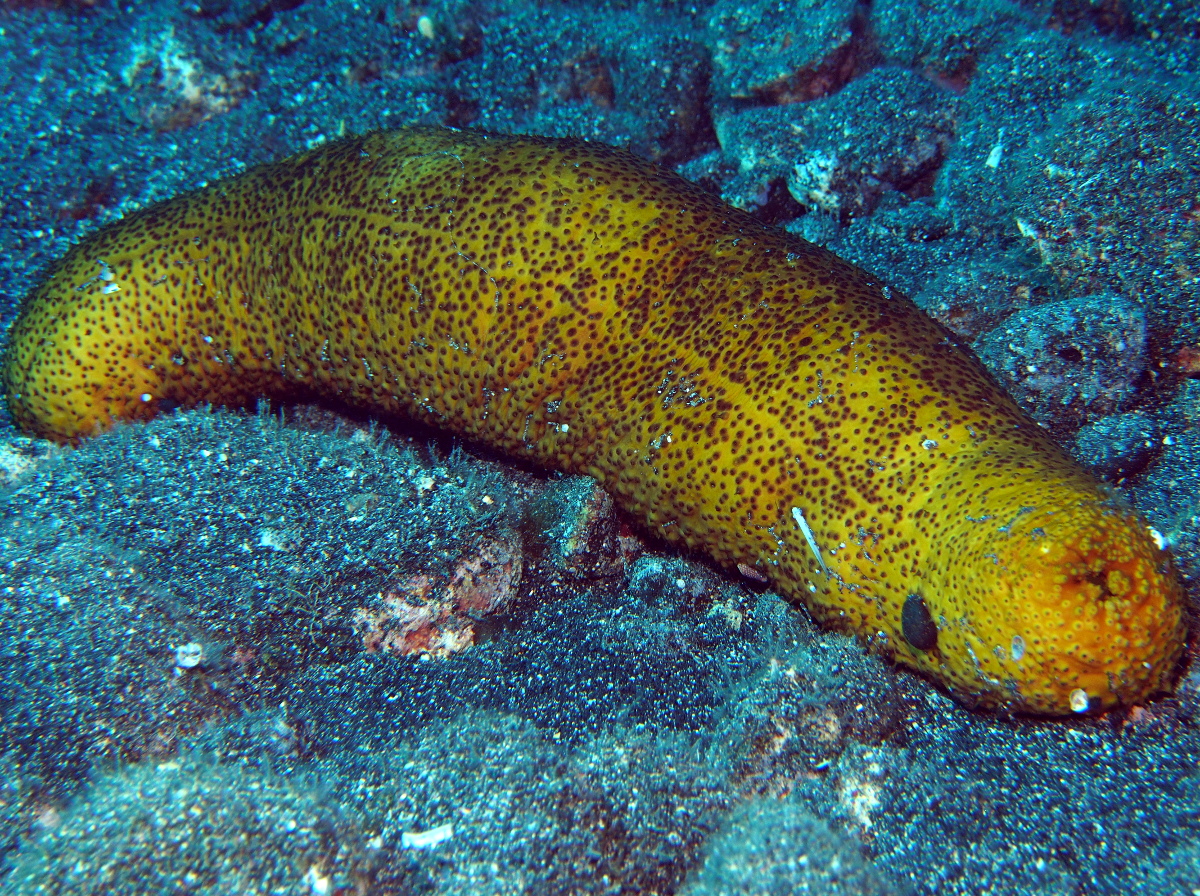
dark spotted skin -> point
(743, 392)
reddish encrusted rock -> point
(436, 616)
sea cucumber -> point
(739, 390)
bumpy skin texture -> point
(743, 392)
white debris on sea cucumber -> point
(798, 516)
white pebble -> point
(188, 656)
(426, 839)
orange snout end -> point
(1094, 611)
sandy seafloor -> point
(212, 680)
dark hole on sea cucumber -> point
(917, 624)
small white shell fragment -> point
(1079, 700)
(188, 656)
(1157, 538)
(319, 883)
(426, 839)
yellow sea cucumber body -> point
(743, 392)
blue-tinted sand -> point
(211, 680)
